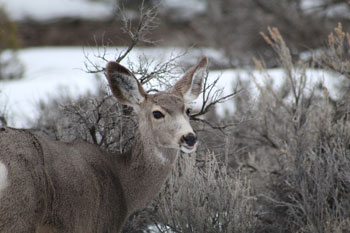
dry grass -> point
(203, 197)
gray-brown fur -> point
(185, 83)
(64, 187)
(78, 188)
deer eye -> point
(188, 111)
(157, 114)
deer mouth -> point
(188, 149)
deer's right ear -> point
(190, 85)
(124, 85)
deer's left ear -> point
(190, 85)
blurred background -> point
(232, 26)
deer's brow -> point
(170, 103)
(172, 109)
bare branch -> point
(211, 96)
(147, 22)
(90, 65)
(221, 128)
(167, 67)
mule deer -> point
(51, 186)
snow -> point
(335, 10)
(42, 10)
(339, 10)
(229, 80)
(308, 5)
(52, 72)
(48, 73)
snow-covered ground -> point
(52, 72)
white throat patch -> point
(160, 156)
(3, 177)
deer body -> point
(50, 186)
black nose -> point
(190, 139)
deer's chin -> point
(188, 149)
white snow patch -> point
(229, 79)
(340, 9)
(49, 73)
(308, 5)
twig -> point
(147, 22)
(217, 127)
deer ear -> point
(124, 85)
(190, 85)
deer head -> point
(164, 116)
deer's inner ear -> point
(190, 85)
(124, 85)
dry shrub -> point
(305, 136)
(316, 192)
(100, 120)
(200, 196)
(337, 57)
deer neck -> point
(143, 170)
